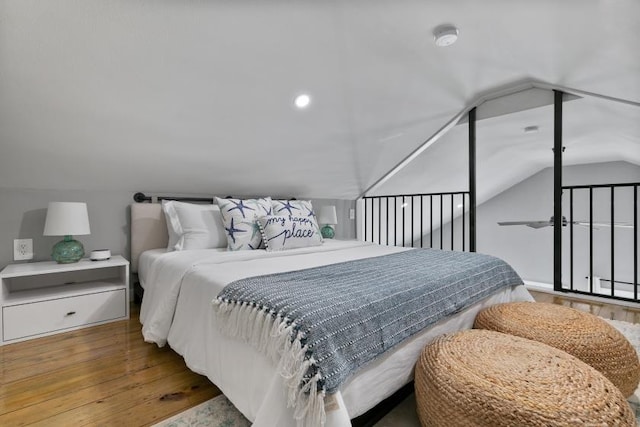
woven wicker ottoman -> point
(485, 378)
(587, 337)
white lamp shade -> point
(66, 218)
(328, 215)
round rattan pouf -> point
(485, 378)
(587, 337)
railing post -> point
(387, 204)
(635, 242)
(571, 238)
(421, 219)
(464, 236)
(379, 220)
(591, 239)
(613, 233)
(472, 180)
(557, 191)
(366, 218)
(431, 221)
(441, 221)
(451, 222)
(412, 238)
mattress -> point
(179, 288)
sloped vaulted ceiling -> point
(196, 96)
(514, 140)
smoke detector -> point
(445, 35)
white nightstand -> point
(45, 298)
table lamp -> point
(67, 219)
(329, 218)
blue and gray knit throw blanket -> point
(321, 324)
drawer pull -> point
(71, 313)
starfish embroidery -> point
(310, 210)
(241, 207)
(232, 230)
(267, 211)
(288, 206)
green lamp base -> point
(327, 232)
(67, 251)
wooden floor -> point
(107, 375)
(101, 376)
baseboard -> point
(538, 286)
(548, 288)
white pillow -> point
(289, 232)
(196, 226)
(173, 225)
(240, 221)
(293, 207)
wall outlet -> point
(22, 249)
(352, 214)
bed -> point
(180, 286)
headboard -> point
(148, 230)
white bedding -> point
(179, 288)
(146, 260)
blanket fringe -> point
(277, 336)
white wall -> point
(530, 251)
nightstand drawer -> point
(24, 320)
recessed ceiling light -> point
(404, 205)
(531, 129)
(302, 101)
(445, 35)
(460, 205)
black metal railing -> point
(433, 220)
(613, 197)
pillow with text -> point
(289, 232)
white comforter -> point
(176, 308)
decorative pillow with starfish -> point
(240, 218)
